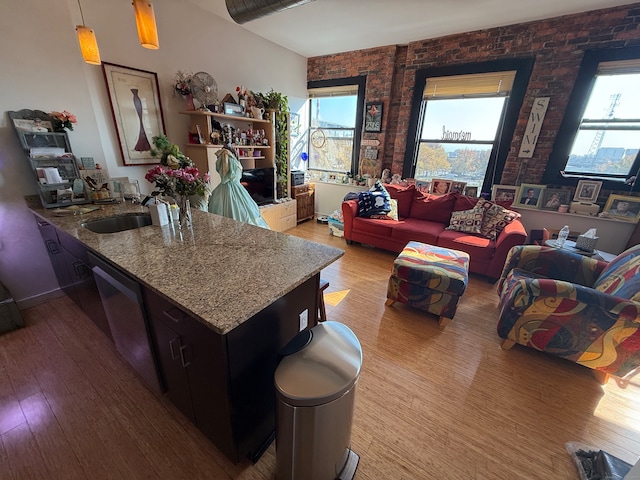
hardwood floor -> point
(431, 403)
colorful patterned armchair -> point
(574, 307)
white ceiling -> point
(332, 26)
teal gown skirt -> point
(230, 198)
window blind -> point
(619, 67)
(473, 85)
(343, 90)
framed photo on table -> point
(471, 191)
(622, 207)
(587, 191)
(529, 195)
(233, 109)
(136, 109)
(440, 186)
(504, 193)
(552, 198)
(457, 187)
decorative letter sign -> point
(534, 125)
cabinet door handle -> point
(184, 363)
(82, 271)
(174, 314)
(53, 247)
(174, 356)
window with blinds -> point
(461, 125)
(335, 116)
(475, 85)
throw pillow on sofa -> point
(496, 217)
(374, 202)
(404, 196)
(392, 215)
(469, 221)
(436, 208)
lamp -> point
(88, 42)
(146, 23)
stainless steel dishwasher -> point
(122, 301)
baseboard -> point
(38, 299)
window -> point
(335, 119)
(600, 133)
(464, 121)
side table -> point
(571, 247)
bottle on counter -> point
(562, 236)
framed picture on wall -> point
(373, 117)
(587, 191)
(136, 109)
(529, 195)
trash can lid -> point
(322, 371)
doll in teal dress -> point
(230, 198)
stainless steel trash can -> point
(315, 385)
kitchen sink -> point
(119, 223)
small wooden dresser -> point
(305, 199)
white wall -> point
(613, 235)
(42, 69)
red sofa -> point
(424, 218)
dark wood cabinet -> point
(193, 364)
(224, 383)
(70, 263)
(305, 200)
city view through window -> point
(331, 133)
(457, 138)
(609, 135)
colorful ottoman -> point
(429, 278)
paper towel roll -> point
(159, 214)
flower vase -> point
(184, 215)
(190, 105)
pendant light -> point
(88, 42)
(146, 23)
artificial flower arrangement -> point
(176, 174)
(242, 92)
(182, 83)
(63, 120)
(246, 97)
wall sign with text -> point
(534, 125)
(373, 117)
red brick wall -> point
(557, 44)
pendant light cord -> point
(81, 14)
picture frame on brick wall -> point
(373, 117)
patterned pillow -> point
(392, 215)
(373, 203)
(469, 221)
(496, 218)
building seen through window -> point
(462, 121)
(335, 117)
(608, 137)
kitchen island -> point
(224, 295)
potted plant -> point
(279, 103)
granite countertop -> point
(221, 271)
